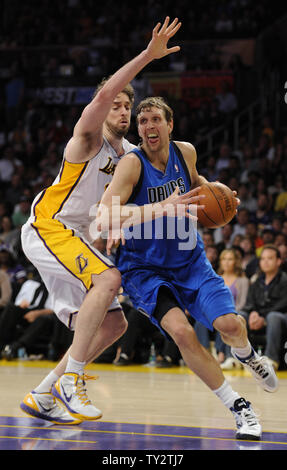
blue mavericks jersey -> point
(166, 242)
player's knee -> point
(229, 325)
(184, 335)
(111, 279)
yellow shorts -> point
(65, 263)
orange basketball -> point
(220, 205)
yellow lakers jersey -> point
(77, 188)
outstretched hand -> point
(157, 47)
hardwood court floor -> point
(144, 408)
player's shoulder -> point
(187, 149)
(130, 161)
(185, 146)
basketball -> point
(220, 205)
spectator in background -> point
(8, 164)
(276, 223)
(223, 237)
(280, 239)
(249, 259)
(212, 255)
(9, 235)
(30, 307)
(15, 189)
(247, 201)
(268, 237)
(281, 201)
(209, 171)
(227, 101)
(231, 270)
(14, 92)
(5, 290)
(262, 216)
(283, 254)
(241, 220)
(21, 212)
(207, 238)
(252, 232)
(266, 308)
(224, 157)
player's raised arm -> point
(87, 137)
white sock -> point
(226, 394)
(46, 384)
(74, 366)
(243, 353)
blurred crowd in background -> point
(33, 135)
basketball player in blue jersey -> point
(166, 274)
(81, 281)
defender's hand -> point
(157, 47)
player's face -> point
(119, 117)
(154, 129)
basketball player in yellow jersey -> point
(83, 283)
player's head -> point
(155, 122)
(118, 120)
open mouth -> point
(152, 138)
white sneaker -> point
(248, 426)
(70, 390)
(262, 371)
(231, 364)
(44, 406)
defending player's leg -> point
(35, 402)
(234, 333)
(202, 363)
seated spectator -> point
(21, 212)
(276, 223)
(224, 156)
(280, 239)
(262, 216)
(241, 220)
(5, 290)
(268, 237)
(249, 259)
(227, 101)
(9, 264)
(281, 202)
(9, 235)
(212, 255)
(247, 201)
(252, 232)
(207, 238)
(283, 252)
(223, 237)
(265, 310)
(230, 269)
(28, 316)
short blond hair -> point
(157, 102)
